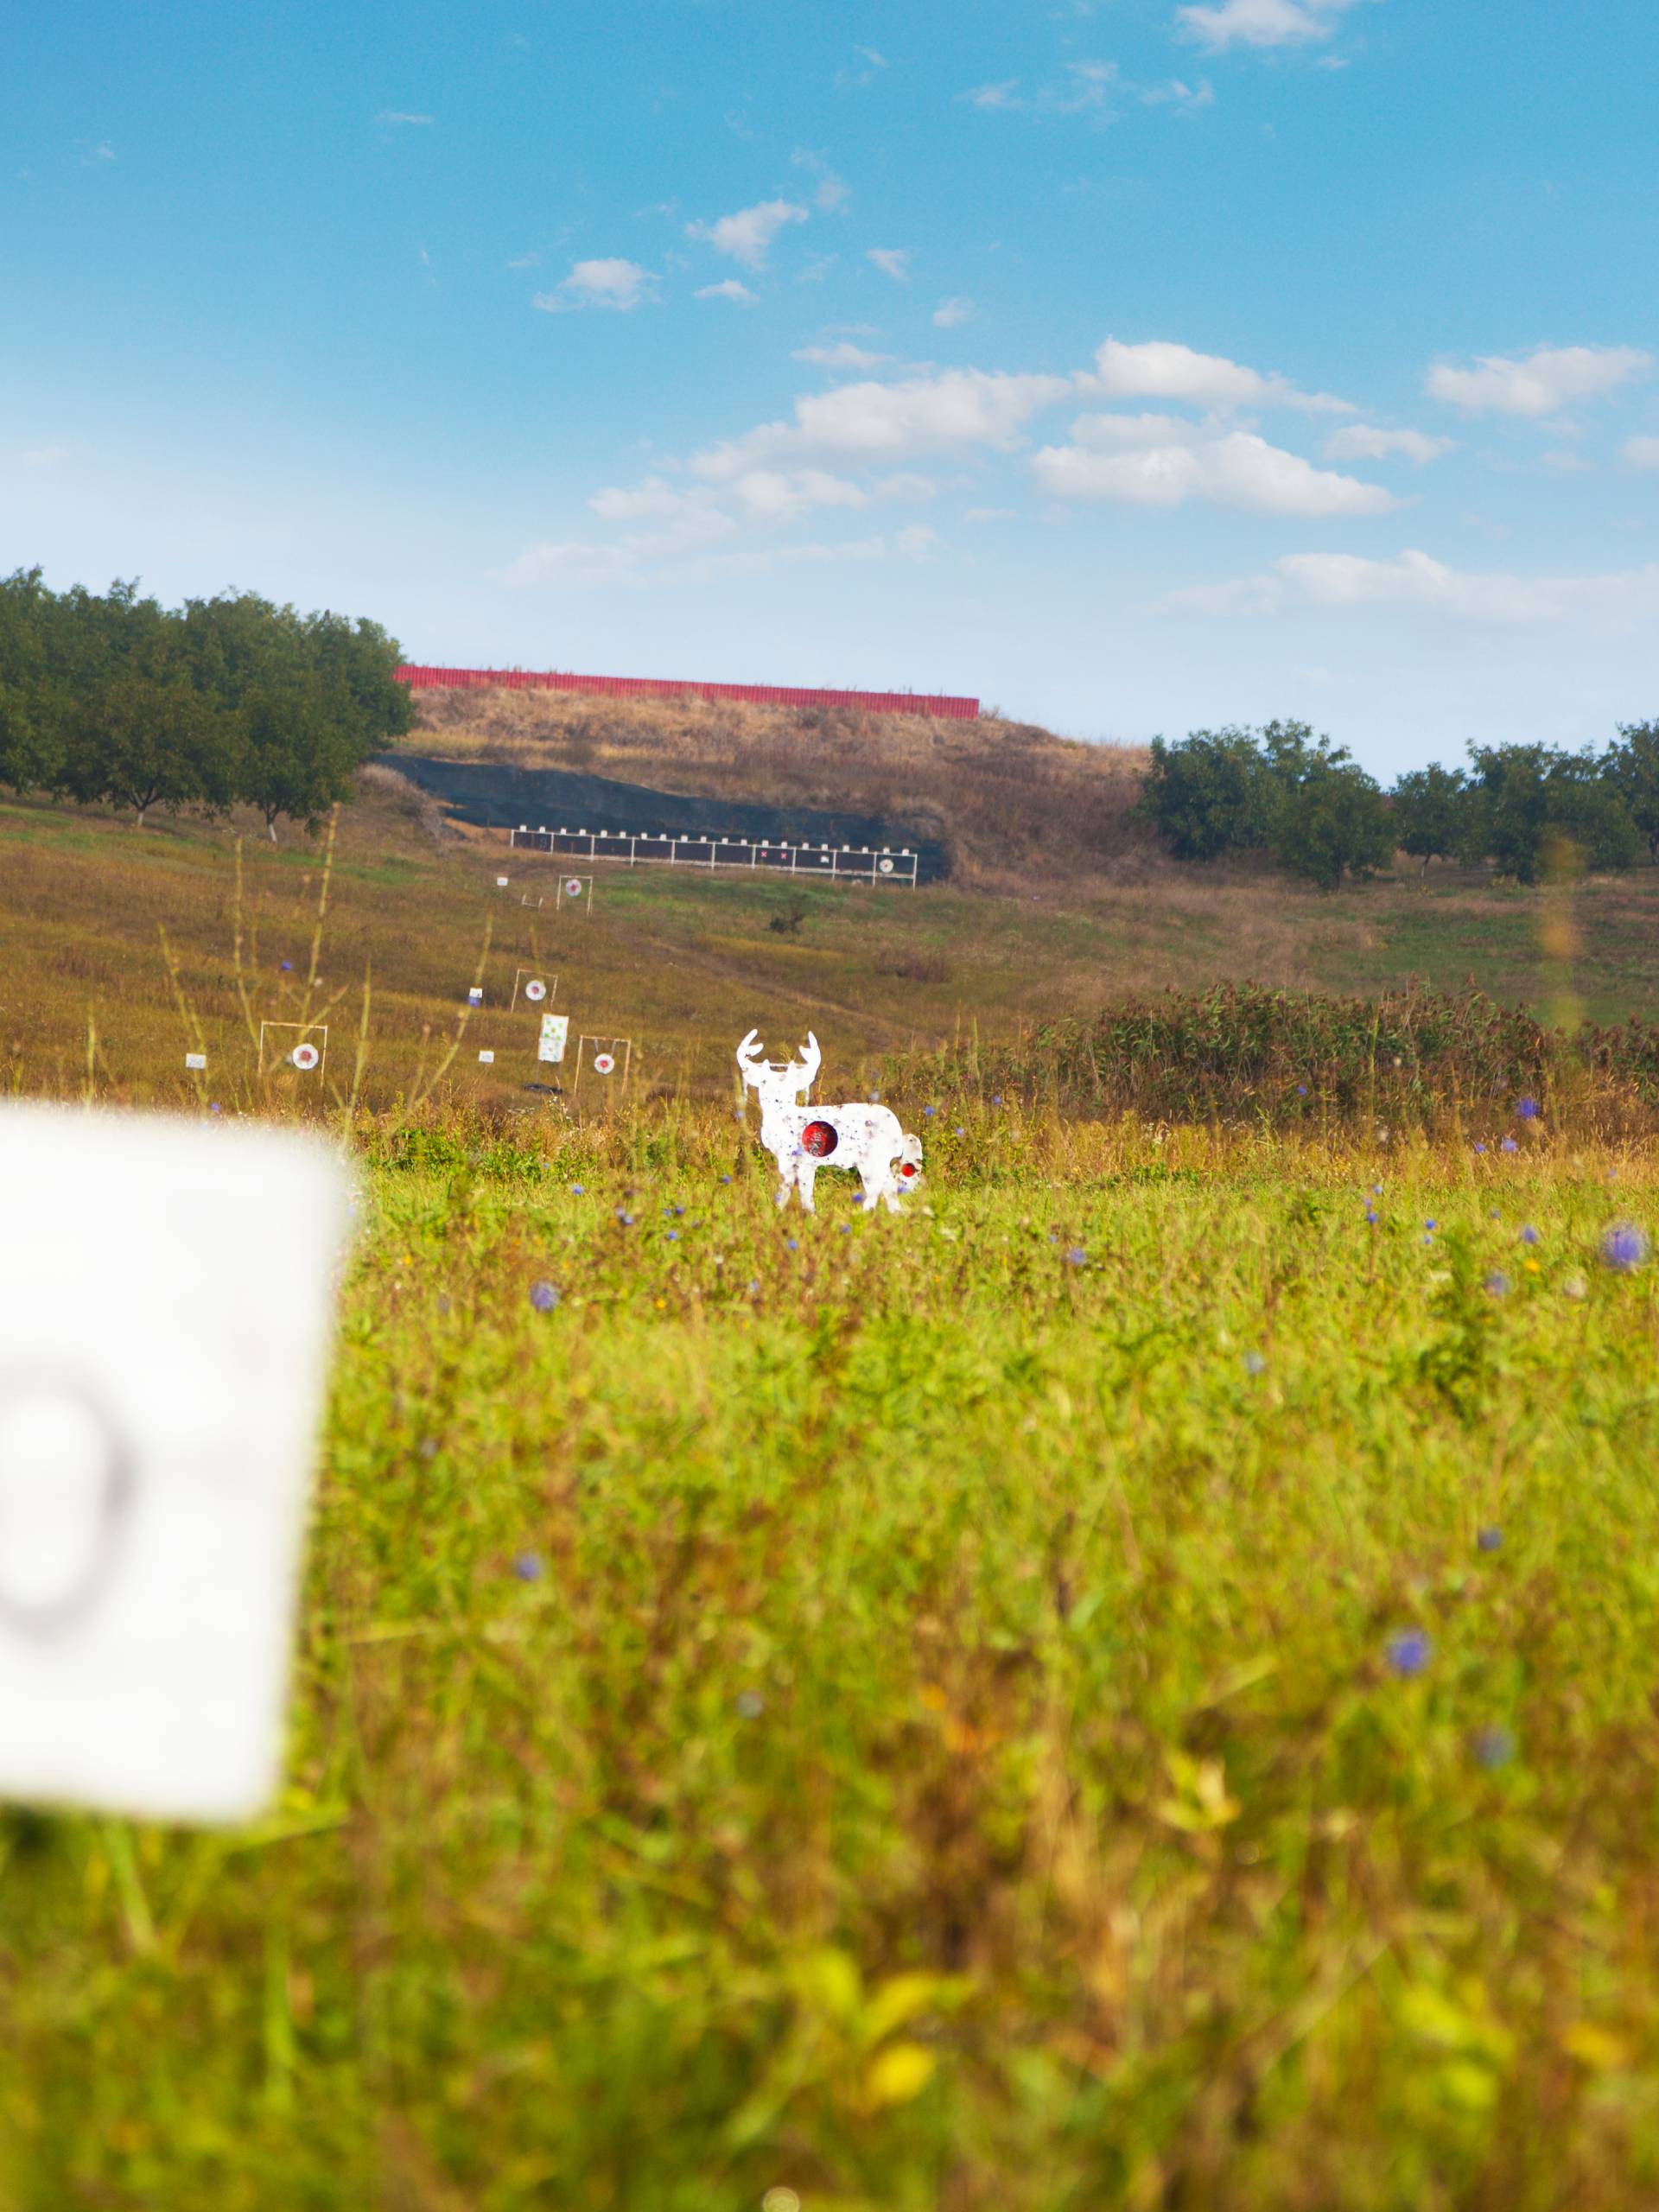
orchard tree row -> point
(113, 699)
(1305, 803)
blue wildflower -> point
(997, 1099)
(528, 1567)
(1528, 1235)
(1489, 1540)
(929, 1111)
(750, 1704)
(846, 1228)
(961, 1133)
(286, 966)
(672, 1236)
(1509, 1145)
(677, 1211)
(1624, 1248)
(791, 1244)
(1076, 1257)
(544, 1297)
(576, 1190)
(1431, 1224)
(1526, 1109)
(1302, 1091)
(1498, 1283)
(213, 1106)
(624, 1218)
(1480, 1147)
(1407, 1653)
(725, 1178)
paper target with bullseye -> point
(305, 1058)
(576, 891)
(610, 1058)
(535, 984)
(535, 990)
(306, 1055)
(885, 867)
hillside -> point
(1002, 796)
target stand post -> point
(305, 1056)
(606, 1058)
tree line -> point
(1316, 813)
(112, 698)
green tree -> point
(141, 731)
(1431, 814)
(1210, 794)
(1527, 802)
(31, 703)
(1633, 767)
(1332, 820)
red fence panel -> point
(939, 706)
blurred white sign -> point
(195, 1060)
(166, 1310)
(487, 1058)
(556, 1029)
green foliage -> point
(1329, 819)
(1534, 810)
(1430, 817)
(228, 701)
(911, 1719)
(1209, 794)
(1633, 768)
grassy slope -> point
(685, 964)
(901, 1711)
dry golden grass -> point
(1000, 795)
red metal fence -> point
(939, 706)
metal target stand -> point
(308, 1029)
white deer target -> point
(803, 1138)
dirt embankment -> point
(1000, 795)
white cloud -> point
(1542, 384)
(950, 313)
(1089, 82)
(1261, 23)
(525, 261)
(843, 356)
(1163, 370)
(613, 283)
(893, 261)
(1416, 579)
(728, 289)
(1365, 442)
(747, 235)
(995, 96)
(1177, 95)
(690, 556)
(952, 412)
(1640, 453)
(389, 115)
(831, 193)
(869, 55)
(1155, 460)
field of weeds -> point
(1131, 1685)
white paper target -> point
(573, 887)
(165, 1318)
(535, 990)
(195, 1060)
(475, 996)
(305, 1058)
(487, 1059)
(556, 1030)
(500, 882)
(885, 867)
(604, 1063)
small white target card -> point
(165, 1316)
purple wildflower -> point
(1489, 1540)
(1302, 1091)
(286, 967)
(1526, 1109)
(672, 1236)
(1624, 1248)
(1254, 1363)
(997, 1099)
(528, 1567)
(929, 1111)
(1407, 1653)
(1509, 1145)
(790, 1245)
(1076, 1257)
(1498, 1283)
(1528, 1235)
(577, 1191)
(725, 1178)
(1480, 1148)
(544, 1297)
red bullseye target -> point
(907, 1171)
(305, 1058)
(820, 1139)
(604, 1063)
(535, 989)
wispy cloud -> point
(1539, 382)
(1416, 579)
(830, 194)
(1640, 453)
(892, 261)
(1261, 23)
(1176, 94)
(1161, 369)
(841, 356)
(1365, 442)
(730, 289)
(394, 115)
(995, 98)
(747, 235)
(613, 283)
(950, 313)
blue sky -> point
(1135, 366)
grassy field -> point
(1130, 1686)
(1133, 1685)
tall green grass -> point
(1132, 1685)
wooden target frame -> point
(585, 1059)
(542, 1006)
(308, 1031)
(583, 896)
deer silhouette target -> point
(803, 1138)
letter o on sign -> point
(604, 1063)
(535, 989)
(305, 1058)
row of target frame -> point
(597, 1054)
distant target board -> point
(608, 1060)
(556, 1032)
(671, 849)
(536, 985)
(574, 891)
(306, 1053)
